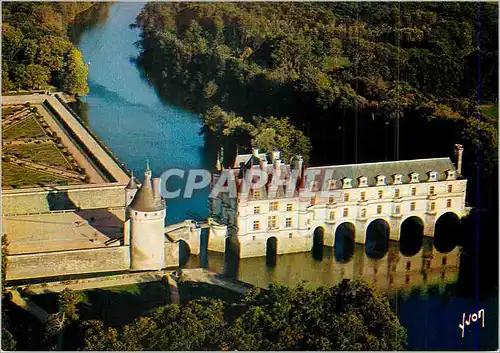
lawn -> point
(23, 177)
(29, 127)
(40, 153)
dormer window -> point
(380, 179)
(451, 175)
(332, 184)
(433, 176)
(346, 183)
(363, 181)
(414, 178)
(397, 178)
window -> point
(346, 212)
(413, 191)
(257, 195)
(398, 178)
(332, 215)
(431, 190)
(256, 210)
(288, 222)
(272, 221)
(346, 197)
(433, 206)
(448, 203)
(288, 206)
(379, 209)
(380, 194)
(332, 184)
(346, 182)
(331, 199)
(256, 225)
(397, 210)
(433, 176)
(363, 196)
(313, 200)
(363, 212)
(290, 235)
(450, 188)
(273, 206)
(408, 265)
(363, 181)
(414, 177)
(380, 180)
(397, 193)
(412, 206)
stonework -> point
(355, 195)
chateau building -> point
(322, 202)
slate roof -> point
(388, 169)
(132, 184)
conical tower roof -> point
(132, 184)
(144, 200)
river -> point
(128, 115)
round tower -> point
(147, 227)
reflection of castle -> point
(357, 200)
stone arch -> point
(271, 250)
(345, 234)
(447, 232)
(184, 251)
(377, 238)
(318, 242)
(411, 236)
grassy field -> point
(40, 153)
(10, 110)
(13, 175)
(26, 128)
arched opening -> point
(411, 236)
(271, 251)
(184, 252)
(377, 239)
(447, 232)
(344, 242)
(318, 241)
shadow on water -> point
(377, 239)
(318, 242)
(271, 251)
(184, 253)
(412, 236)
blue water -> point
(127, 114)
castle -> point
(342, 200)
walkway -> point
(210, 277)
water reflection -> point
(393, 271)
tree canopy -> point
(349, 316)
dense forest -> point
(36, 50)
(364, 81)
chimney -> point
(459, 150)
(277, 169)
(263, 164)
(255, 151)
(275, 155)
(157, 189)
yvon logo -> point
(472, 317)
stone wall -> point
(171, 254)
(62, 198)
(68, 262)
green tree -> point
(35, 77)
(74, 77)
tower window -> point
(379, 209)
(288, 222)
(380, 194)
(431, 190)
(413, 191)
(289, 207)
(257, 195)
(332, 215)
(397, 193)
(450, 188)
(256, 225)
(346, 197)
(448, 203)
(331, 199)
(363, 196)
(433, 206)
(273, 206)
(346, 212)
(363, 212)
(398, 210)
(412, 206)
(256, 210)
